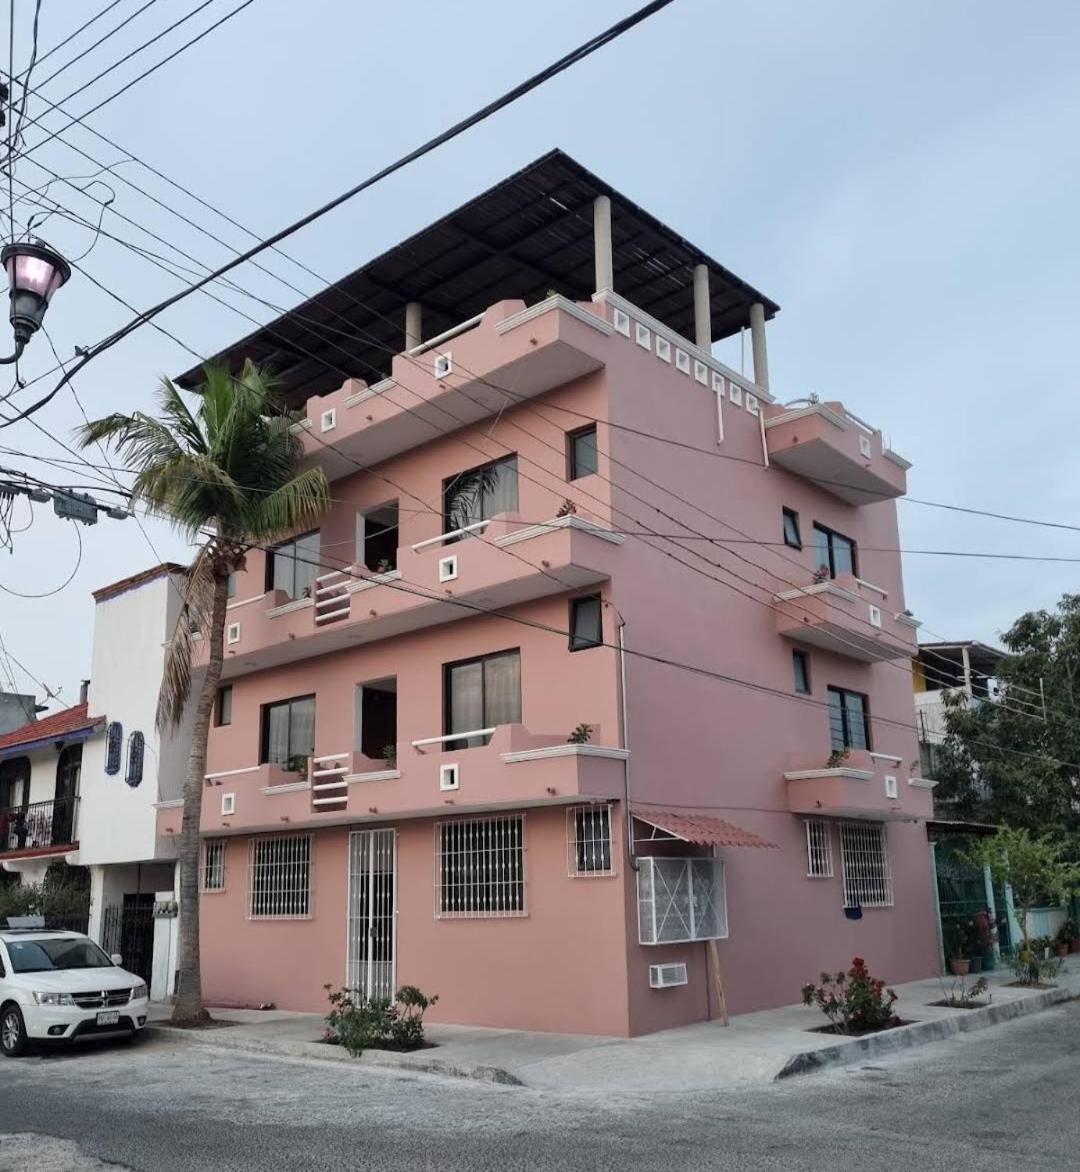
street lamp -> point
(34, 272)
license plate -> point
(109, 1017)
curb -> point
(920, 1032)
(319, 1051)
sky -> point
(901, 178)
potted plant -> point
(959, 964)
(389, 755)
(1066, 934)
(977, 940)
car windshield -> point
(55, 954)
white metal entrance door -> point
(372, 912)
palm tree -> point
(229, 476)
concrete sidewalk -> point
(754, 1048)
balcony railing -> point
(39, 826)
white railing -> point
(870, 586)
(446, 335)
(332, 789)
(859, 422)
(475, 527)
(458, 736)
(331, 597)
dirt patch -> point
(211, 1023)
(838, 1032)
(1030, 985)
(950, 1003)
(393, 1047)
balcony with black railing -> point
(39, 828)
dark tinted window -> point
(848, 724)
(801, 662)
(791, 529)
(586, 623)
(582, 452)
(834, 551)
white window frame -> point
(493, 826)
(859, 842)
(593, 843)
(292, 866)
(213, 862)
(819, 854)
(228, 805)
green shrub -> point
(854, 1002)
(359, 1023)
(407, 1028)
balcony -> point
(848, 617)
(40, 828)
(454, 380)
(515, 768)
(864, 785)
(434, 583)
(835, 450)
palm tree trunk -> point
(188, 1009)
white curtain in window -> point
(502, 689)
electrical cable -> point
(432, 144)
(67, 581)
(100, 41)
(82, 28)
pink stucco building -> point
(658, 550)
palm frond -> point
(179, 416)
(292, 506)
(193, 619)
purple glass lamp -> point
(35, 272)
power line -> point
(100, 41)
(82, 28)
(512, 95)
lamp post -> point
(35, 272)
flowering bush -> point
(359, 1023)
(854, 1002)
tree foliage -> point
(1007, 762)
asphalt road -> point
(1004, 1098)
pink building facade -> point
(399, 786)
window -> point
(481, 693)
(377, 538)
(230, 589)
(680, 900)
(223, 707)
(834, 551)
(792, 536)
(818, 849)
(478, 494)
(293, 566)
(848, 724)
(865, 862)
(480, 867)
(114, 747)
(213, 872)
(586, 623)
(588, 840)
(135, 754)
(801, 663)
(280, 880)
(288, 731)
(581, 452)
(375, 720)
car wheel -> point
(12, 1031)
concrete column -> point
(605, 274)
(414, 322)
(757, 343)
(702, 309)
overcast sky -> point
(901, 178)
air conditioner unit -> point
(667, 976)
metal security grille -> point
(480, 867)
(588, 840)
(213, 876)
(128, 929)
(279, 881)
(819, 863)
(865, 862)
(681, 900)
(372, 908)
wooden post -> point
(714, 955)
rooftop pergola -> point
(551, 227)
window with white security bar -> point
(680, 900)
(588, 841)
(864, 857)
(279, 879)
(819, 863)
(213, 870)
(480, 868)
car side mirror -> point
(117, 959)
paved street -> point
(998, 1099)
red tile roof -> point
(701, 829)
(139, 579)
(56, 726)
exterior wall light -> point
(34, 272)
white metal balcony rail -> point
(333, 591)
(446, 335)
(421, 745)
(475, 527)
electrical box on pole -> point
(75, 506)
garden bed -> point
(836, 1031)
(393, 1047)
(1031, 985)
(956, 1003)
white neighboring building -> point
(128, 772)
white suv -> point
(59, 987)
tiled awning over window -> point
(700, 829)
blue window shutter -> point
(136, 748)
(114, 745)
